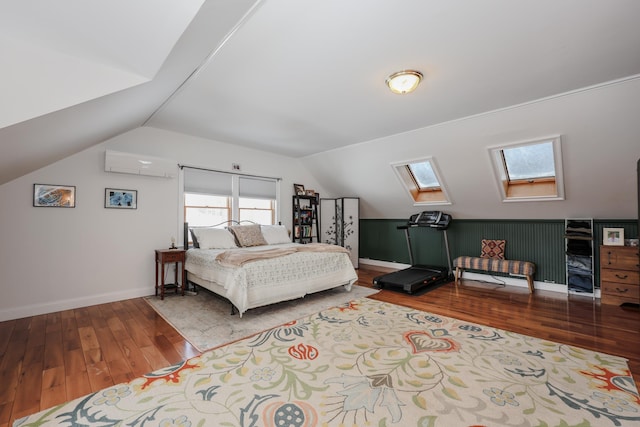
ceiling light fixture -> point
(404, 81)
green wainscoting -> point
(539, 241)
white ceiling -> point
(288, 76)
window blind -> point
(257, 188)
(207, 182)
(204, 181)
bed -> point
(253, 265)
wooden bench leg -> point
(457, 275)
(530, 283)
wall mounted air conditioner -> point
(139, 164)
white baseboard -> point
(498, 280)
(68, 304)
(387, 264)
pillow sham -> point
(248, 235)
(493, 248)
(214, 238)
(275, 234)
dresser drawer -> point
(619, 258)
(620, 276)
(617, 300)
(621, 290)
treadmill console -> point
(433, 219)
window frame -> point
(422, 196)
(272, 208)
(532, 189)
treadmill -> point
(418, 276)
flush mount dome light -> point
(404, 81)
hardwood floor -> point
(52, 358)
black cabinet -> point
(305, 219)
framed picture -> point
(120, 199)
(310, 192)
(54, 196)
(613, 236)
(298, 189)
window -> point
(261, 211)
(423, 176)
(529, 171)
(206, 209)
(422, 181)
(212, 197)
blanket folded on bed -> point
(321, 247)
(237, 258)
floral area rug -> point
(369, 363)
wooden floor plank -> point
(53, 350)
(154, 357)
(77, 385)
(88, 338)
(52, 358)
(74, 362)
(27, 398)
(53, 387)
(70, 332)
(6, 330)
(99, 375)
(135, 357)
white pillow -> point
(215, 238)
(275, 234)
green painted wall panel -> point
(539, 241)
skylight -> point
(423, 175)
(528, 162)
(422, 181)
(529, 171)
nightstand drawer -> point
(620, 276)
(173, 256)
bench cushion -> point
(524, 268)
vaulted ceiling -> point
(288, 76)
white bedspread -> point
(267, 281)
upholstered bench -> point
(522, 268)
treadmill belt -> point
(413, 278)
(410, 275)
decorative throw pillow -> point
(248, 235)
(214, 238)
(275, 234)
(493, 248)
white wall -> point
(58, 258)
(600, 130)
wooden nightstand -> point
(167, 256)
(619, 275)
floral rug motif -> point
(369, 363)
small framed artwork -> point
(613, 236)
(310, 192)
(298, 189)
(120, 199)
(54, 196)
